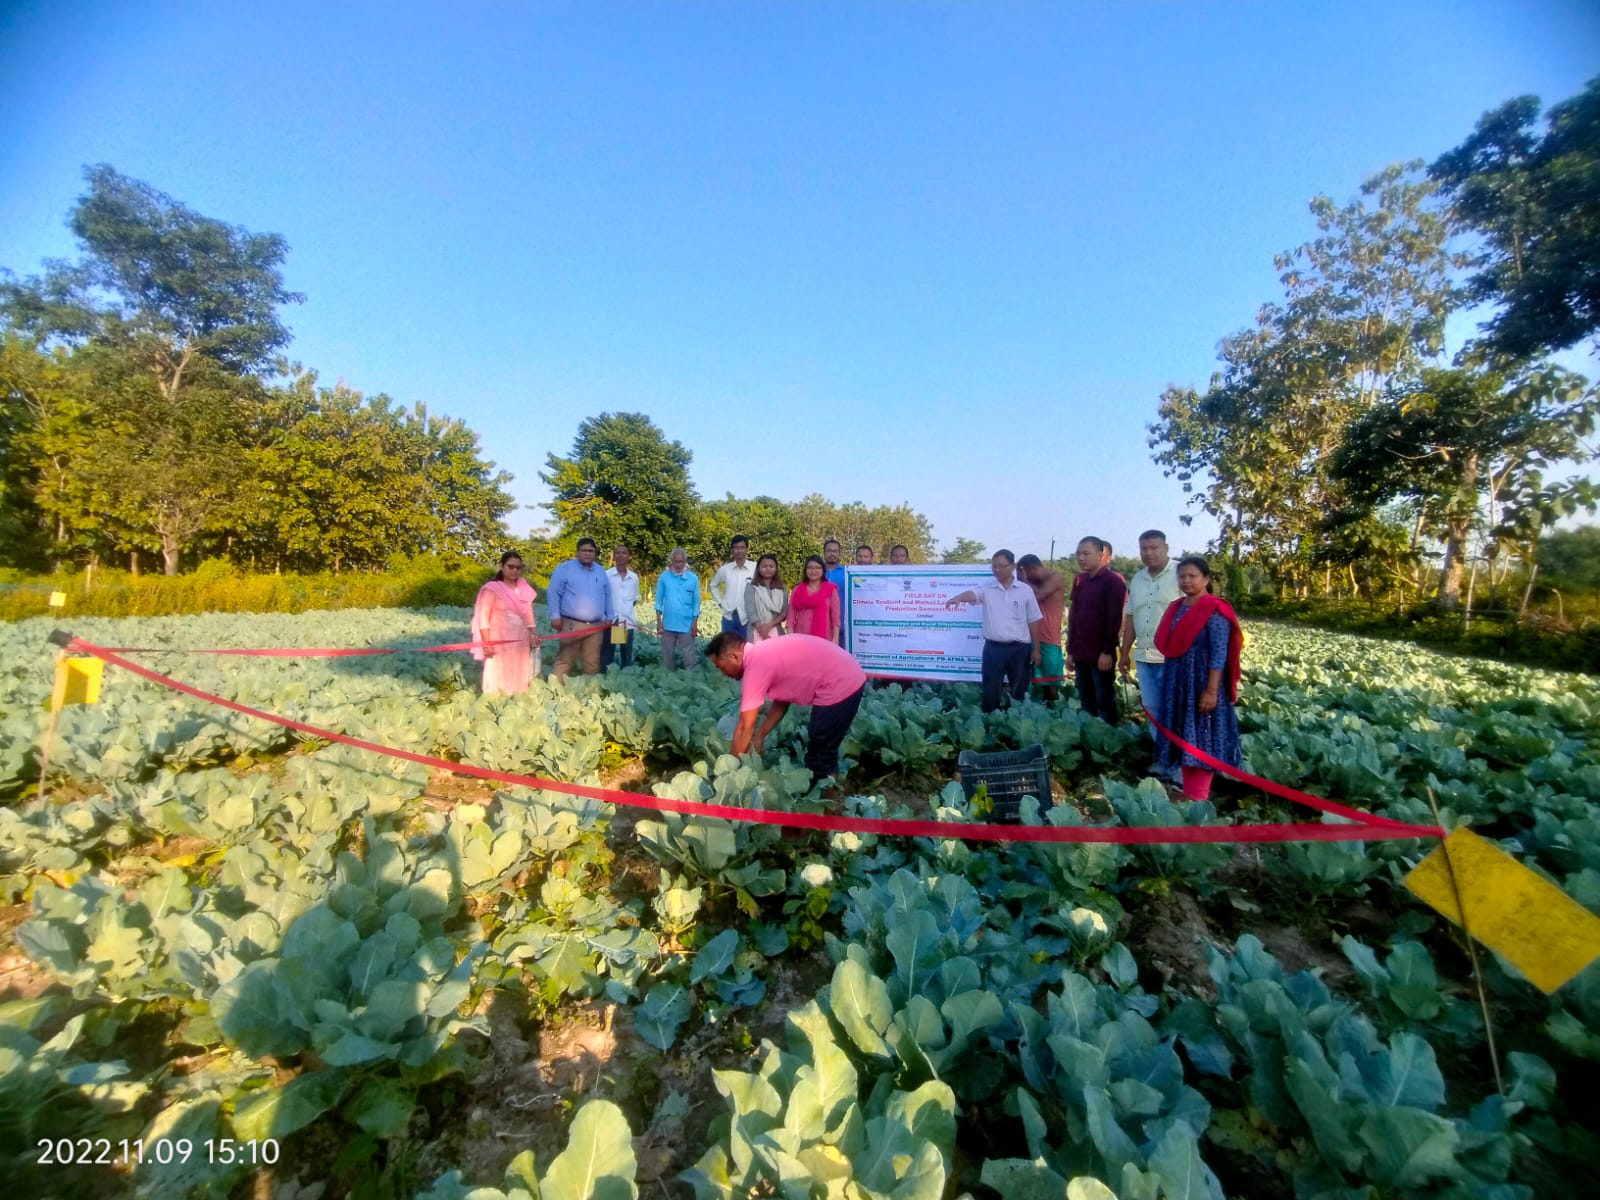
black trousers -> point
(610, 653)
(1097, 691)
(829, 724)
(1008, 661)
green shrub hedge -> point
(1537, 642)
(219, 587)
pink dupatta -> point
(496, 601)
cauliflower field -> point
(235, 961)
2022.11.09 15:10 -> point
(69, 1152)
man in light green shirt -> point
(1150, 592)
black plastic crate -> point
(1010, 775)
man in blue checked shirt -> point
(580, 595)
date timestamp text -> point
(81, 1152)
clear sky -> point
(947, 254)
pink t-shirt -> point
(799, 670)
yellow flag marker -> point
(77, 682)
(58, 599)
(619, 635)
(1521, 916)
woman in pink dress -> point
(504, 615)
(814, 603)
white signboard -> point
(896, 623)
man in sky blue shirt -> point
(580, 596)
(677, 610)
(835, 573)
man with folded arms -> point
(792, 670)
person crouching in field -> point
(792, 670)
(504, 638)
(1200, 637)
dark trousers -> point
(1008, 661)
(609, 652)
(829, 724)
(1097, 691)
(732, 625)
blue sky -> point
(941, 254)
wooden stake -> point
(1472, 950)
(50, 729)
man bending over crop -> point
(792, 670)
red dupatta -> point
(1174, 637)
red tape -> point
(1367, 830)
(312, 652)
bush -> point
(217, 586)
(1536, 642)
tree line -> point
(625, 481)
(1336, 445)
(149, 415)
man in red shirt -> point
(1094, 624)
(792, 670)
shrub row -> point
(1537, 643)
(218, 587)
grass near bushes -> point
(219, 587)
(1539, 641)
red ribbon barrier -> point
(1368, 830)
(312, 652)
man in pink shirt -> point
(792, 670)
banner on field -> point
(896, 623)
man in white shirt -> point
(1013, 628)
(728, 584)
(624, 596)
(1150, 592)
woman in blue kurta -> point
(1202, 641)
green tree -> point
(1460, 443)
(1571, 559)
(624, 481)
(44, 430)
(191, 305)
(1535, 202)
(769, 524)
(342, 481)
(964, 550)
(855, 524)
(1363, 311)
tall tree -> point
(189, 303)
(1363, 310)
(1462, 442)
(624, 481)
(1535, 201)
